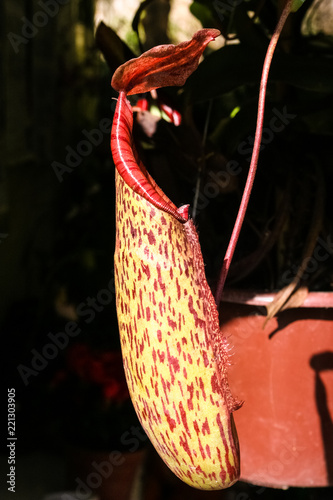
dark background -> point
(57, 239)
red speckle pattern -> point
(174, 356)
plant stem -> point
(255, 154)
(202, 161)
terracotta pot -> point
(284, 374)
(108, 475)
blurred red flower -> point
(103, 368)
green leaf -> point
(296, 4)
(114, 50)
(203, 14)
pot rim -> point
(323, 300)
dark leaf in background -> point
(114, 50)
(236, 65)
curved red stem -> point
(255, 155)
